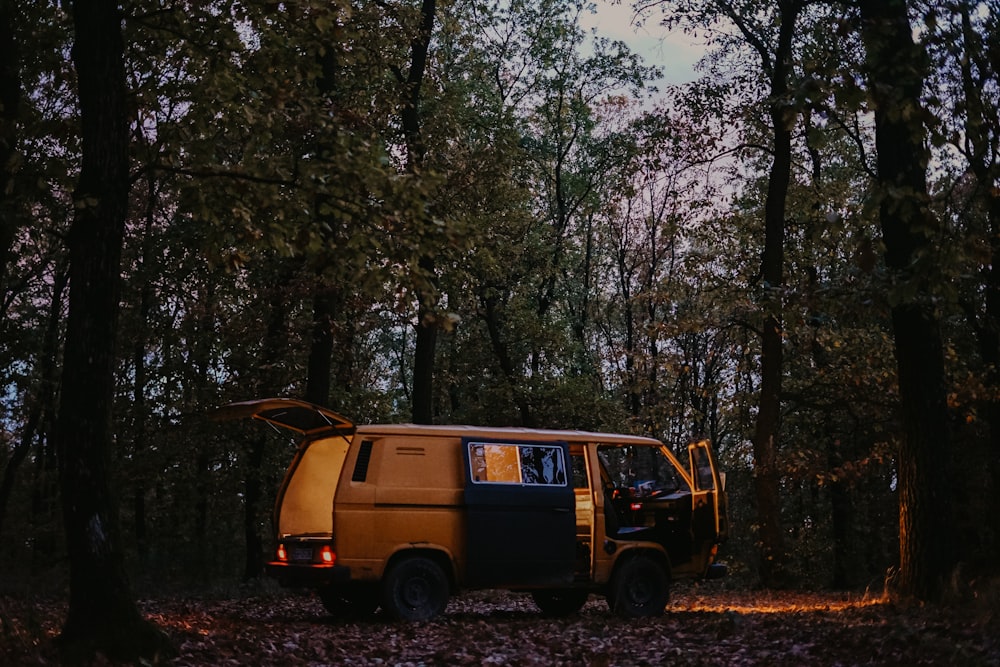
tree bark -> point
(896, 70)
(270, 382)
(427, 326)
(982, 131)
(765, 441)
(491, 317)
(102, 617)
(327, 299)
(10, 98)
(319, 365)
(44, 399)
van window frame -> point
(561, 471)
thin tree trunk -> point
(141, 373)
(102, 613)
(269, 383)
(44, 400)
(765, 441)
(327, 299)
(10, 99)
(492, 319)
(982, 130)
(427, 326)
(319, 368)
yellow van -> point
(402, 516)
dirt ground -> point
(702, 626)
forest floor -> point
(704, 625)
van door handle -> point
(561, 509)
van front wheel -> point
(415, 589)
(639, 588)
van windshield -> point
(640, 471)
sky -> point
(673, 52)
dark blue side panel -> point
(522, 533)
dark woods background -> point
(474, 212)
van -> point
(403, 516)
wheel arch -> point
(440, 555)
(659, 556)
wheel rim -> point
(641, 590)
(416, 593)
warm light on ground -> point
(767, 602)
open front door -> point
(520, 513)
(708, 507)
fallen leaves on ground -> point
(702, 626)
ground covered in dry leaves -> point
(703, 626)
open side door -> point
(709, 508)
(299, 416)
(521, 519)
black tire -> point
(639, 588)
(560, 602)
(349, 602)
(415, 589)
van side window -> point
(360, 473)
(702, 469)
(508, 463)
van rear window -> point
(509, 463)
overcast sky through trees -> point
(673, 52)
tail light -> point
(281, 553)
(327, 555)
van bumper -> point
(291, 575)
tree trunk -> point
(253, 566)
(44, 399)
(982, 130)
(896, 73)
(319, 369)
(425, 348)
(327, 298)
(492, 319)
(102, 617)
(765, 441)
(141, 376)
(10, 98)
(427, 326)
(270, 382)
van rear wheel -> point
(560, 602)
(639, 588)
(415, 589)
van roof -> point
(316, 421)
(502, 433)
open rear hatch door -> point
(301, 417)
(303, 516)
